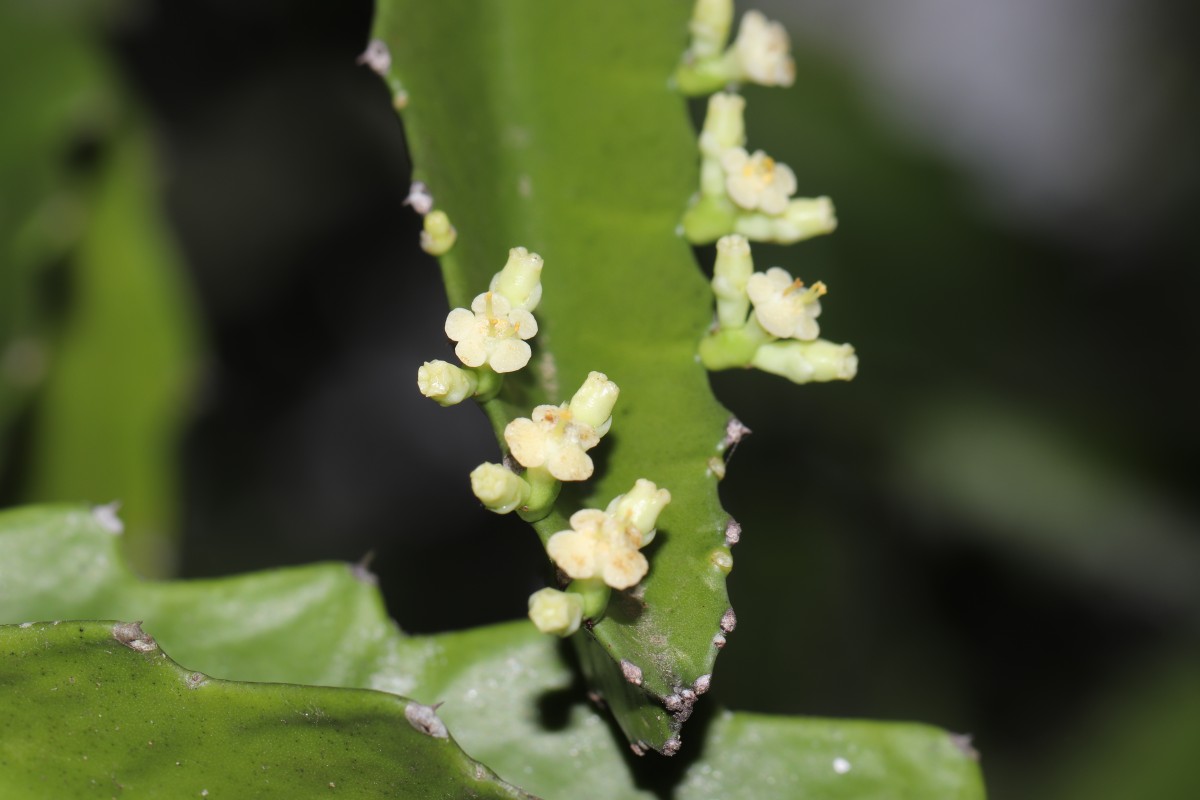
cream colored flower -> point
(784, 307)
(555, 612)
(757, 181)
(492, 333)
(599, 545)
(763, 51)
(555, 440)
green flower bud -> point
(732, 271)
(804, 218)
(711, 21)
(555, 612)
(520, 280)
(807, 362)
(499, 489)
(446, 383)
(724, 125)
(593, 403)
(439, 235)
(639, 508)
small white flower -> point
(598, 545)
(783, 306)
(757, 181)
(555, 440)
(492, 333)
(555, 612)
(763, 51)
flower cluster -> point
(747, 193)
(780, 336)
(491, 338)
(551, 444)
(761, 52)
(607, 544)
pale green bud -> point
(711, 21)
(732, 271)
(807, 362)
(639, 508)
(439, 235)
(499, 489)
(555, 612)
(724, 126)
(446, 383)
(593, 403)
(831, 361)
(803, 218)
(520, 280)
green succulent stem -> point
(705, 76)
(595, 593)
(544, 489)
(489, 383)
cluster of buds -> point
(552, 446)
(491, 338)
(747, 193)
(601, 552)
(761, 52)
(769, 321)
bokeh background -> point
(212, 308)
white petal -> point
(526, 441)
(509, 355)
(459, 324)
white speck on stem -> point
(841, 766)
(671, 746)
(632, 672)
(733, 533)
(132, 636)
(702, 684)
(419, 198)
(377, 57)
(729, 621)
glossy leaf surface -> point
(509, 698)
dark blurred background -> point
(992, 529)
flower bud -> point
(439, 235)
(520, 280)
(555, 612)
(593, 403)
(446, 383)
(639, 508)
(732, 270)
(499, 489)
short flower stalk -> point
(747, 193)
(768, 320)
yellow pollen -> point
(818, 289)
(797, 284)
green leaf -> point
(509, 698)
(552, 126)
(97, 707)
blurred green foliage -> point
(95, 323)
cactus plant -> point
(556, 129)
